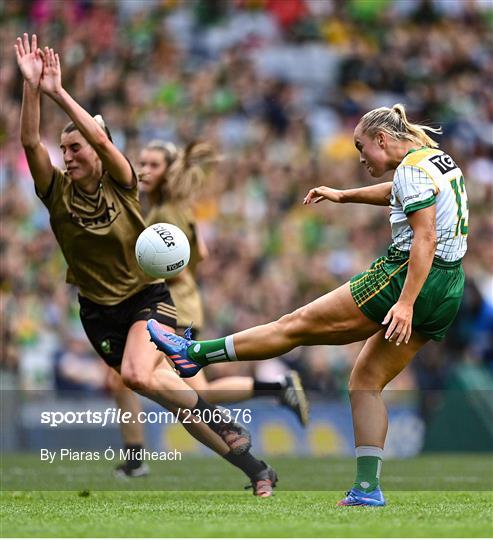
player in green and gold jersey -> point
(95, 216)
(403, 300)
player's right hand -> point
(29, 59)
(51, 81)
(320, 193)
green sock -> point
(369, 465)
(212, 351)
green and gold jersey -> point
(183, 288)
(97, 234)
(425, 177)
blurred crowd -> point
(277, 86)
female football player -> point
(397, 305)
(169, 178)
(95, 216)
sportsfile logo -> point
(112, 415)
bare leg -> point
(333, 319)
(128, 401)
(145, 371)
(377, 364)
(224, 390)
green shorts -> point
(377, 289)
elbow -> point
(29, 143)
(101, 142)
(433, 245)
(432, 239)
(427, 240)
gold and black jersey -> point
(183, 288)
(97, 235)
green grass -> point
(417, 512)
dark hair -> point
(98, 119)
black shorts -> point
(107, 326)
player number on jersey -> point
(462, 206)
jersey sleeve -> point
(414, 188)
(127, 192)
(54, 190)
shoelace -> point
(188, 332)
(178, 340)
(351, 496)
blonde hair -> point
(185, 168)
(394, 122)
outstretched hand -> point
(51, 81)
(320, 193)
(29, 59)
(399, 319)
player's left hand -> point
(321, 193)
(400, 319)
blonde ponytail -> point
(394, 122)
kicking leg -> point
(333, 319)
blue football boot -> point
(355, 497)
(175, 348)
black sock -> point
(214, 421)
(249, 464)
(261, 388)
(132, 461)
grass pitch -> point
(137, 509)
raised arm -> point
(400, 316)
(378, 195)
(112, 159)
(31, 65)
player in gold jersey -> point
(169, 178)
(96, 218)
(397, 305)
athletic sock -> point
(261, 388)
(369, 465)
(131, 450)
(249, 464)
(212, 351)
(216, 422)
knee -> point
(366, 378)
(295, 325)
(307, 327)
(135, 379)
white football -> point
(162, 250)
